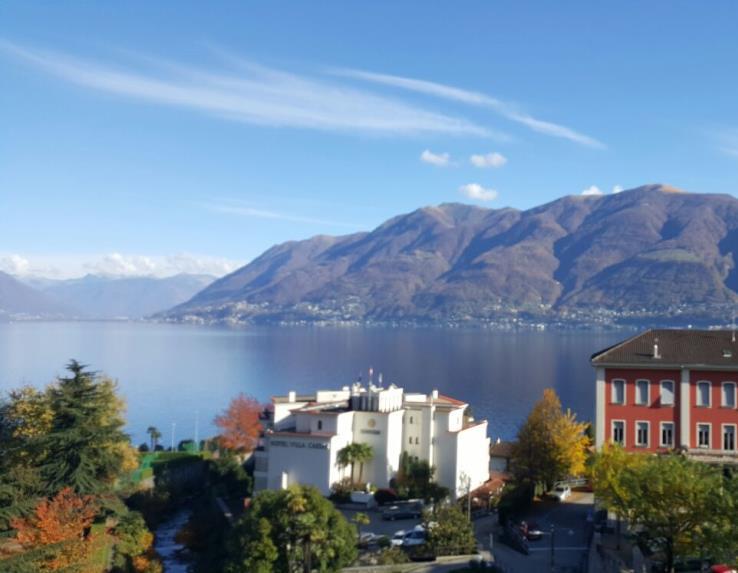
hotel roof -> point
(698, 348)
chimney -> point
(656, 354)
(434, 394)
(291, 396)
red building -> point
(669, 389)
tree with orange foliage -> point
(239, 424)
(61, 521)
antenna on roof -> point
(732, 328)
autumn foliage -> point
(239, 424)
(64, 520)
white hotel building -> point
(305, 433)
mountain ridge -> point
(653, 246)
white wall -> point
(472, 457)
(305, 460)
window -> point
(642, 392)
(618, 392)
(618, 432)
(703, 435)
(667, 434)
(410, 440)
(416, 441)
(320, 424)
(667, 392)
(642, 434)
(729, 438)
(703, 394)
(728, 399)
(411, 419)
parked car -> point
(723, 569)
(560, 492)
(415, 537)
(398, 538)
(367, 538)
(403, 511)
(530, 531)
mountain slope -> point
(18, 300)
(123, 297)
(648, 247)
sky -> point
(156, 138)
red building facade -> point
(670, 389)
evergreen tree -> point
(84, 448)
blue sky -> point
(146, 137)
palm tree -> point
(354, 453)
(155, 434)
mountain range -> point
(649, 251)
(94, 296)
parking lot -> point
(380, 526)
(565, 537)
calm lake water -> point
(175, 374)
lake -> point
(177, 374)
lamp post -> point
(553, 531)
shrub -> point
(392, 556)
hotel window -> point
(703, 435)
(729, 438)
(642, 434)
(703, 394)
(667, 434)
(618, 432)
(642, 392)
(618, 392)
(667, 392)
(728, 394)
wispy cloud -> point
(617, 189)
(727, 141)
(473, 98)
(252, 94)
(437, 159)
(493, 160)
(241, 210)
(477, 192)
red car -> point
(723, 569)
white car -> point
(398, 538)
(561, 492)
(414, 537)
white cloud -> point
(617, 189)
(65, 266)
(477, 192)
(252, 94)
(15, 264)
(122, 265)
(437, 159)
(504, 109)
(493, 159)
(592, 190)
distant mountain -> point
(94, 296)
(648, 251)
(18, 300)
